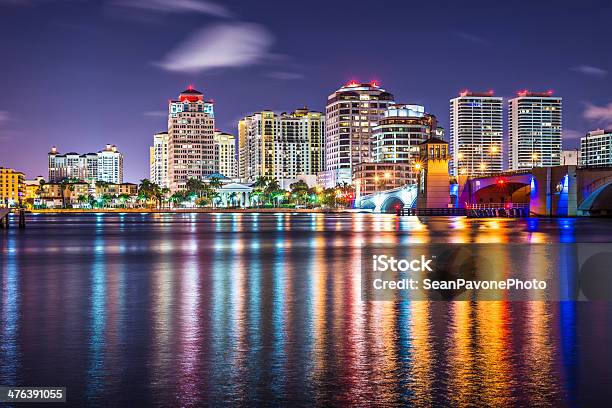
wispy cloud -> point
(601, 115)
(4, 116)
(220, 46)
(175, 6)
(471, 37)
(155, 114)
(285, 76)
(572, 134)
(590, 70)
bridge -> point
(389, 201)
(560, 191)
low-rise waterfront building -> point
(12, 187)
(370, 178)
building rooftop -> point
(527, 92)
(433, 140)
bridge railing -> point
(487, 206)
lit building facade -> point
(476, 133)
(225, 153)
(283, 146)
(373, 177)
(158, 160)
(351, 114)
(570, 157)
(398, 134)
(12, 186)
(106, 165)
(534, 123)
(191, 146)
(596, 148)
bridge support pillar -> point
(554, 191)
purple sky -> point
(80, 74)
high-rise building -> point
(283, 146)
(158, 160)
(106, 165)
(12, 186)
(191, 145)
(351, 114)
(476, 133)
(110, 165)
(225, 153)
(596, 148)
(534, 124)
(398, 134)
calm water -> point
(244, 309)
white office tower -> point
(398, 134)
(596, 148)
(535, 121)
(225, 152)
(285, 146)
(191, 145)
(158, 160)
(476, 133)
(351, 114)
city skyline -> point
(54, 108)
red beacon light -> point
(501, 182)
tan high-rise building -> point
(351, 114)
(158, 160)
(225, 152)
(191, 145)
(283, 146)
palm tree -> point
(299, 189)
(149, 191)
(232, 198)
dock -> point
(4, 217)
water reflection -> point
(193, 309)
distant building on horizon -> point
(225, 154)
(596, 148)
(191, 145)
(476, 133)
(158, 160)
(535, 120)
(284, 146)
(398, 134)
(351, 113)
(106, 165)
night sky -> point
(80, 74)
